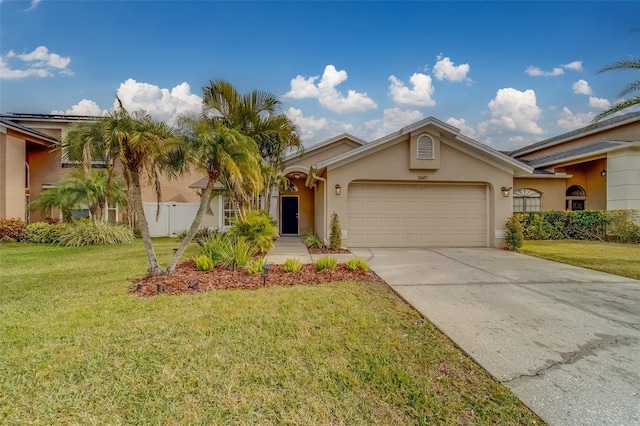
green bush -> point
(204, 262)
(12, 229)
(357, 263)
(258, 228)
(228, 250)
(292, 265)
(40, 233)
(513, 237)
(87, 233)
(326, 262)
(255, 265)
(335, 237)
(623, 227)
(311, 240)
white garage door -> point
(414, 215)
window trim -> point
(525, 194)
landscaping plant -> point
(228, 250)
(11, 229)
(357, 263)
(513, 237)
(258, 228)
(292, 265)
(204, 263)
(311, 240)
(255, 265)
(335, 237)
(88, 233)
(326, 262)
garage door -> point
(414, 215)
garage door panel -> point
(402, 215)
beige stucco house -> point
(424, 185)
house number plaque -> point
(423, 177)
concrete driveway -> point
(566, 340)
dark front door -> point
(289, 215)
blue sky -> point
(506, 73)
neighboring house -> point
(425, 185)
(594, 168)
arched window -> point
(425, 148)
(526, 200)
(576, 198)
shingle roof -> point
(27, 130)
(602, 146)
(633, 116)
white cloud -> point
(162, 104)
(444, 69)
(33, 5)
(84, 107)
(581, 87)
(420, 95)
(393, 119)
(570, 121)
(38, 63)
(461, 124)
(515, 110)
(537, 72)
(314, 130)
(575, 65)
(599, 102)
(327, 94)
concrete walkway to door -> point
(565, 340)
(292, 247)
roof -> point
(600, 147)
(27, 130)
(18, 116)
(202, 183)
(594, 128)
(325, 143)
(443, 126)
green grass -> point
(615, 258)
(76, 348)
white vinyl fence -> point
(173, 217)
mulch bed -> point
(187, 279)
(326, 250)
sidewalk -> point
(292, 247)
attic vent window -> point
(425, 148)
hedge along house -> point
(425, 185)
(592, 168)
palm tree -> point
(258, 115)
(142, 146)
(223, 154)
(627, 64)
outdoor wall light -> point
(338, 189)
(505, 191)
(603, 173)
(265, 273)
(296, 175)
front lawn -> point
(615, 258)
(76, 348)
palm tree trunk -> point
(154, 267)
(195, 225)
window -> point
(229, 211)
(576, 198)
(526, 200)
(425, 148)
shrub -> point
(355, 263)
(228, 250)
(311, 240)
(87, 233)
(292, 265)
(12, 229)
(202, 234)
(326, 262)
(39, 233)
(254, 266)
(335, 237)
(622, 226)
(513, 237)
(258, 228)
(204, 262)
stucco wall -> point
(552, 190)
(12, 177)
(392, 164)
(588, 176)
(623, 179)
(46, 169)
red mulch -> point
(326, 250)
(223, 279)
